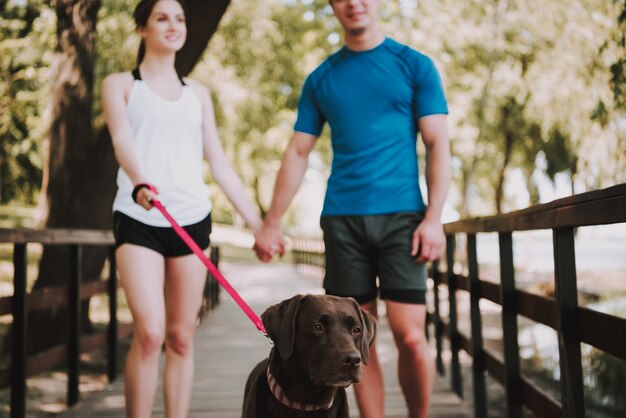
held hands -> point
(269, 240)
(428, 240)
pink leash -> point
(211, 267)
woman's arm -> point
(115, 89)
(221, 169)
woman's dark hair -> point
(142, 12)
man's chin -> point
(356, 31)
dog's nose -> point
(352, 360)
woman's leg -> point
(184, 285)
(142, 275)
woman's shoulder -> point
(197, 87)
(122, 81)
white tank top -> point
(167, 139)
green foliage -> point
(255, 67)
(609, 376)
(534, 86)
(524, 70)
(26, 45)
(116, 45)
(618, 68)
(560, 157)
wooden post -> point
(438, 323)
(73, 344)
(569, 339)
(429, 314)
(455, 375)
(18, 349)
(112, 339)
(478, 363)
(512, 375)
(215, 287)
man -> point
(376, 95)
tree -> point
(255, 67)
(25, 35)
(618, 68)
(544, 56)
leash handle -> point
(211, 267)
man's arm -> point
(288, 181)
(429, 238)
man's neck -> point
(363, 40)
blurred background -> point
(536, 91)
(537, 97)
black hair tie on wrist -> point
(139, 187)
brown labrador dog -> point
(320, 342)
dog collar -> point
(280, 396)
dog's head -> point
(327, 336)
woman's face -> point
(165, 30)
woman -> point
(161, 125)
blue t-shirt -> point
(372, 101)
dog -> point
(320, 343)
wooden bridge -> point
(228, 345)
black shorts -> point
(163, 240)
(360, 249)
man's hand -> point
(428, 241)
(268, 241)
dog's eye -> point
(317, 327)
(356, 330)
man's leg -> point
(350, 272)
(370, 393)
(416, 369)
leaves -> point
(26, 36)
(540, 84)
(255, 66)
(518, 71)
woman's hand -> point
(143, 194)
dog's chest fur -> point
(262, 404)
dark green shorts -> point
(360, 249)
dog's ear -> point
(368, 332)
(280, 323)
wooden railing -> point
(72, 296)
(573, 324)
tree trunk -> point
(508, 149)
(533, 188)
(71, 157)
(256, 187)
(79, 175)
